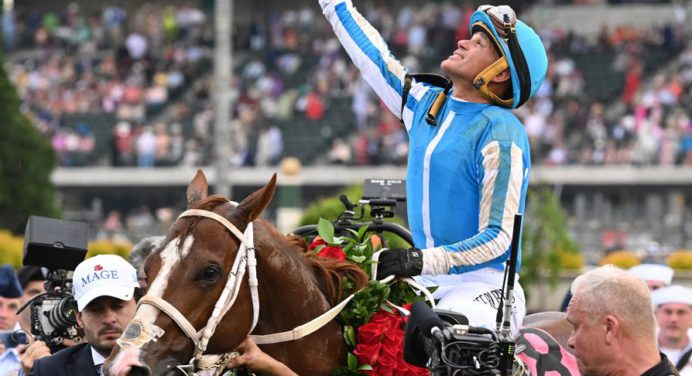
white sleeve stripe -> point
(491, 164)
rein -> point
(138, 333)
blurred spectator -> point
(32, 279)
(269, 146)
(140, 252)
(673, 305)
(655, 276)
(10, 300)
(340, 153)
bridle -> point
(139, 333)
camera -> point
(12, 339)
(443, 342)
(58, 246)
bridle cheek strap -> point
(245, 258)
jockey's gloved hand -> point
(400, 263)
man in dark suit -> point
(104, 288)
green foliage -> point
(546, 244)
(365, 304)
(26, 162)
(331, 207)
(11, 249)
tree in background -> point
(547, 247)
(26, 162)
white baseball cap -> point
(672, 294)
(653, 272)
(103, 275)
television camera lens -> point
(63, 314)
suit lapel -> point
(82, 363)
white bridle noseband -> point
(139, 333)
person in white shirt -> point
(673, 307)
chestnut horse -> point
(190, 273)
(189, 297)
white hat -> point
(653, 272)
(672, 294)
(103, 275)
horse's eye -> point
(210, 273)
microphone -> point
(427, 318)
(423, 333)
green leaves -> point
(326, 230)
(365, 304)
(544, 238)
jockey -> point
(469, 158)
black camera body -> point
(443, 342)
(58, 246)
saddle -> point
(542, 355)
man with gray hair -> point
(613, 325)
(139, 253)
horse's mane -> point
(329, 272)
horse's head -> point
(204, 251)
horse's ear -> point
(253, 205)
(197, 189)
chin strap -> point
(481, 81)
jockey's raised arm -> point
(368, 50)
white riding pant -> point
(476, 295)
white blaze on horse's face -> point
(170, 255)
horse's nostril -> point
(140, 371)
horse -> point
(198, 253)
(178, 319)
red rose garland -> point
(380, 341)
(381, 345)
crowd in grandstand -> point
(148, 71)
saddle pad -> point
(543, 356)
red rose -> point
(316, 243)
(370, 333)
(368, 354)
(332, 252)
(386, 364)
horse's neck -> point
(289, 294)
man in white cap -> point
(655, 275)
(104, 288)
(673, 306)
